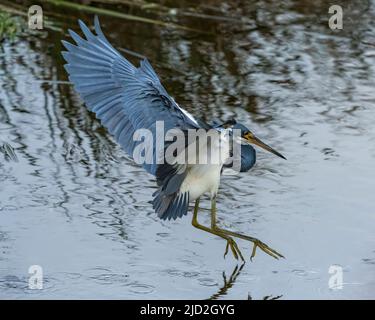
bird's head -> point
(247, 137)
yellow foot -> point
(265, 248)
(257, 243)
(234, 248)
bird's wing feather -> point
(123, 97)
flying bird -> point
(126, 98)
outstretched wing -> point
(125, 99)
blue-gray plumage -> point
(125, 99)
(248, 154)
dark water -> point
(75, 205)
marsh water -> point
(73, 203)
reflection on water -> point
(74, 203)
(228, 283)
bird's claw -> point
(256, 243)
(234, 248)
(273, 253)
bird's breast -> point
(204, 176)
(201, 179)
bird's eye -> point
(248, 135)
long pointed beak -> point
(254, 140)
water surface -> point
(73, 203)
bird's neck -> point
(248, 157)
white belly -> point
(201, 179)
(204, 176)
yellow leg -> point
(230, 242)
(257, 243)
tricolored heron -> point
(126, 98)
